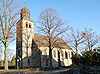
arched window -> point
(28, 62)
(54, 53)
(30, 25)
(69, 54)
(62, 54)
(66, 56)
(26, 24)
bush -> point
(89, 58)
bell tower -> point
(24, 36)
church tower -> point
(24, 36)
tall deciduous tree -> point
(8, 19)
(52, 26)
(1, 51)
(74, 38)
(91, 38)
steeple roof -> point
(25, 10)
(25, 13)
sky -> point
(78, 13)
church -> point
(32, 49)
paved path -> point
(60, 71)
(52, 72)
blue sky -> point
(79, 13)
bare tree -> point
(91, 38)
(52, 26)
(8, 19)
(1, 52)
(74, 38)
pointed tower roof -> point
(25, 13)
(25, 10)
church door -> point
(47, 62)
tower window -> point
(30, 25)
(26, 24)
(45, 52)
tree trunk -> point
(50, 56)
(50, 52)
(6, 57)
(76, 47)
(76, 50)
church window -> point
(26, 24)
(69, 54)
(66, 56)
(54, 53)
(30, 25)
(62, 54)
(28, 62)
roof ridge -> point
(47, 36)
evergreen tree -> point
(1, 62)
(13, 60)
